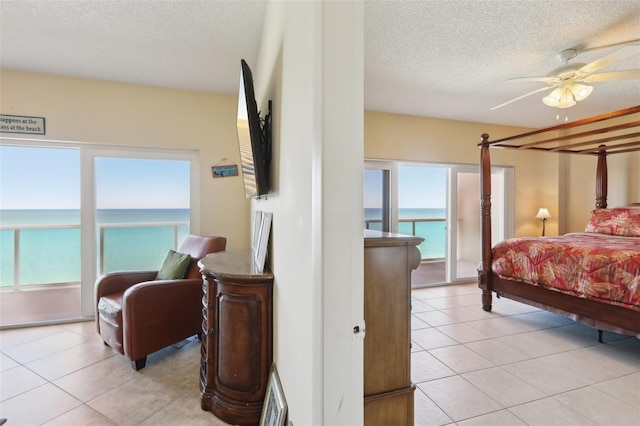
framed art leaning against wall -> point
(274, 410)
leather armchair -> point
(137, 315)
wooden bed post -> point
(485, 216)
(601, 178)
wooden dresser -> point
(237, 336)
(388, 391)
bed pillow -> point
(623, 221)
(174, 267)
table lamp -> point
(543, 215)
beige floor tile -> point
(625, 388)
(497, 352)
(7, 363)
(18, 380)
(456, 290)
(629, 346)
(469, 313)
(469, 300)
(86, 328)
(45, 346)
(430, 338)
(442, 303)
(69, 360)
(458, 398)
(417, 323)
(539, 343)
(462, 332)
(420, 306)
(425, 366)
(501, 326)
(424, 293)
(460, 359)
(507, 389)
(580, 368)
(549, 412)
(621, 363)
(508, 307)
(134, 401)
(436, 318)
(166, 391)
(601, 407)
(37, 406)
(576, 335)
(82, 415)
(177, 368)
(20, 336)
(181, 409)
(542, 319)
(427, 413)
(549, 380)
(498, 418)
(92, 381)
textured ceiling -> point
(436, 58)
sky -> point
(419, 187)
(49, 178)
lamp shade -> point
(567, 94)
(553, 99)
(580, 91)
(543, 214)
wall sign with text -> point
(22, 124)
(224, 171)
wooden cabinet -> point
(237, 336)
(388, 390)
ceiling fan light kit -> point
(567, 95)
(566, 80)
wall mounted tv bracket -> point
(265, 137)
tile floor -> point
(515, 366)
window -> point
(440, 203)
(71, 212)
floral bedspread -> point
(594, 266)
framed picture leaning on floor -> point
(274, 409)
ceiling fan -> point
(567, 79)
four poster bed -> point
(592, 277)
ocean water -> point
(52, 255)
(434, 233)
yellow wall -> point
(411, 138)
(623, 185)
(565, 184)
(99, 112)
(102, 112)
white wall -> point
(310, 65)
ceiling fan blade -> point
(623, 52)
(549, 80)
(614, 75)
(521, 97)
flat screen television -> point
(254, 137)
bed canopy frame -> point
(602, 135)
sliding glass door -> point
(39, 234)
(71, 213)
(440, 203)
(142, 210)
(377, 211)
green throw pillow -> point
(174, 267)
